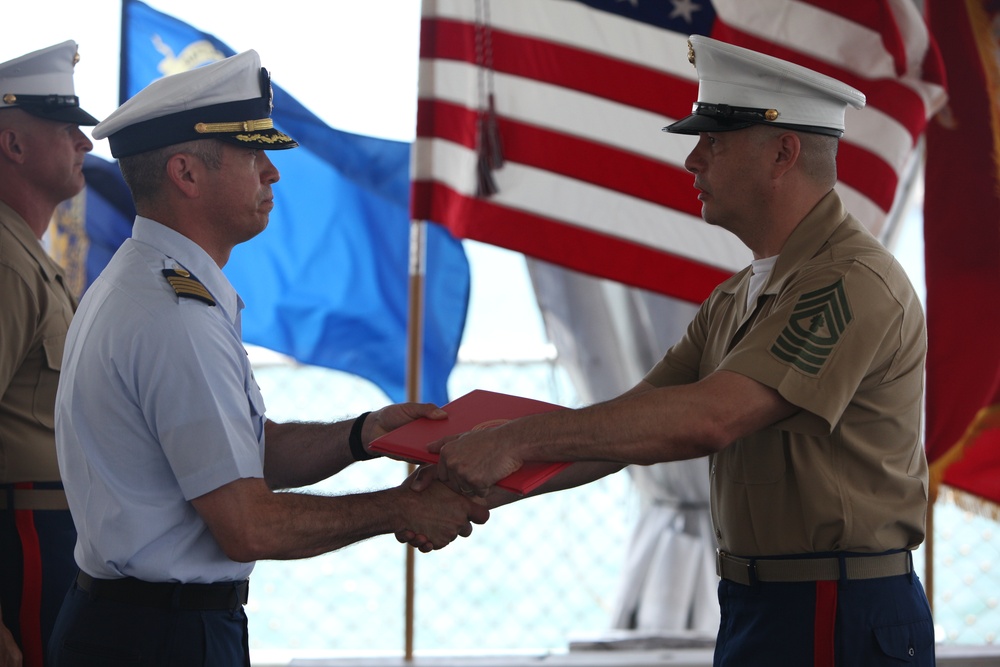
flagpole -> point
(414, 353)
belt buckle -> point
(749, 564)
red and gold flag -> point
(962, 251)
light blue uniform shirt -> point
(157, 405)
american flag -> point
(538, 123)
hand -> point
(473, 462)
(393, 416)
(10, 654)
(419, 480)
(422, 478)
(437, 515)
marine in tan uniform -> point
(839, 331)
(41, 159)
(800, 379)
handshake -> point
(435, 512)
(466, 467)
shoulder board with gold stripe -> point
(187, 285)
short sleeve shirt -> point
(839, 332)
(157, 405)
(36, 307)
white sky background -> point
(353, 63)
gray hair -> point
(819, 157)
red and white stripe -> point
(589, 181)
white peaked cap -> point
(41, 83)
(738, 87)
(229, 100)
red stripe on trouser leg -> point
(31, 589)
(825, 624)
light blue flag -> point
(327, 282)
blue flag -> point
(109, 213)
(327, 282)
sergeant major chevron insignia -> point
(814, 328)
(186, 285)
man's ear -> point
(789, 146)
(184, 171)
(10, 145)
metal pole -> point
(414, 353)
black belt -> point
(749, 570)
(166, 595)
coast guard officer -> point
(168, 459)
(800, 379)
(41, 165)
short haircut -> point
(144, 173)
(818, 157)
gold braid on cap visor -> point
(238, 126)
(277, 138)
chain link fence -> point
(966, 575)
(540, 572)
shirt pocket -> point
(756, 459)
(43, 404)
(257, 407)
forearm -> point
(251, 522)
(573, 476)
(653, 425)
(298, 454)
(296, 525)
(647, 425)
(637, 429)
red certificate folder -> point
(476, 410)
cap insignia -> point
(76, 58)
(690, 52)
(266, 90)
(186, 285)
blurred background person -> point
(41, 165)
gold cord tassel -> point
(489, 149)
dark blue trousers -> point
(104, 633)
(36, 570)
(859, 623)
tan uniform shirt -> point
(35, 312)
(839, 332)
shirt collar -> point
(807, 238)
(20, 230)
(802, 245)
(184, 252)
